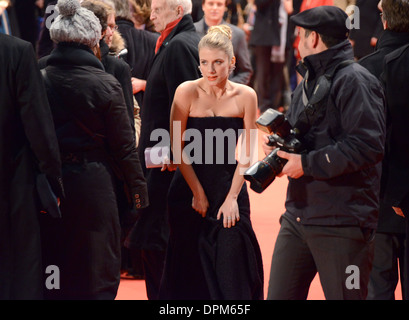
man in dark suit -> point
(27, 137)
(213, 16)
(269, 77)
(396, 193)
(390, 232)
(176, 61)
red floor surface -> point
(266, 209)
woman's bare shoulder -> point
(185, 94)
(244, 92)
(188, 88)
(244, 89)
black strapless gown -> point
(204, 259)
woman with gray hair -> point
(96, 143)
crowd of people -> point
(91, 87)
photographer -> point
(333, 191)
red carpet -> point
(266, 209)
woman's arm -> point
(178, 118)
(229, 208)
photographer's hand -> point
(293, 168)
(266, 148)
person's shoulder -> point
(185, 38)
(185, 93)
(402, 52)
(13, 42)
(14, 46)
(355, 81)
(354, 74)
(243, 89)
(144, 35)
(101, 80)
(245, 96)
(116, 62)
(364, 75)
(235, 30)
(370, 59)
(188, 88)
(199, 25)
(182, 46)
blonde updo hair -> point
(218, 37)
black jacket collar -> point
(320, 63)
(124, 22)
(104, 49)
(74, 54)
(186, 24)
(392, 39)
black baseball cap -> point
(325, 20)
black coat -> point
(342, 164)
(122, 72)
(27, 133)
(96, 98)
(395, 79)
(176, 61)
(85, 244)
(141, 50)
(266, 30)
(389, 41)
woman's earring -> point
(200, 70)
(232, 68)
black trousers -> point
(153, 264)
(388, 259)
(342, 256)
(269, 79)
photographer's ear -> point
(315, 39)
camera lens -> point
(262, 173)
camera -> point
(281, 135)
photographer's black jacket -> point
(342, 165)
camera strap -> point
(314, 107)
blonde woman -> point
(213, 252)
